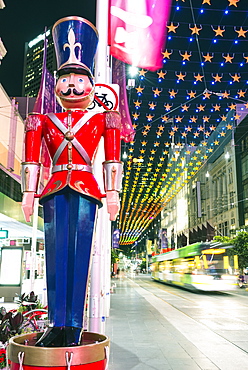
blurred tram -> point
(199, 266)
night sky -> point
(21, 21)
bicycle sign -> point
(106, 97)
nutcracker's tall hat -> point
(75, 41)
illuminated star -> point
(175, 128)
(216, 107)
(165, 118)
(241, 32)
(195, 30)
(167, 106)
(192, 144)
(156, 91)
(135, 115)
(193, 119)
(161, 74)
(143, 143)
(237, 116)
(219, 31)
(188, 128)
(152, 105)
(246, 105)
(135, 126)
(236, 77)
(208, 58)
(241, 94)
(196, 134)
(222, 133)
(147, 127)
(198, 77)
(206, 2)
(161, 128)
(225, 94)
(172, 27)
(166, 54)
(186, 56)
(206, 119)
(223, 118)
(216, 142)
(204, 143)
(207, 95)
(228, 58)
(229, 127)
(149, 117)
(217, 78)
(172, 133)
(232, 106)
(156, 143)
(212, 128)
(173, 93)
(201, 128)
(180, 76)
(210, 150)
(207, 133)
(201, 107)
(137, 103)
(139, 89)
(192, 94)
(185, 107)
(142, 72)
(178, 119)
(233, 2)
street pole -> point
(99, 283)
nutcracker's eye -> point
(81, 80)
(64, 79)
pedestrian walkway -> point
(147, 333)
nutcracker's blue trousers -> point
(69, 221)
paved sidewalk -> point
(147, 333)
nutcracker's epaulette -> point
(112, 119)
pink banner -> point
(138, 31)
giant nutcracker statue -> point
(71, 196)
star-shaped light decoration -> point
(137, 103)
(195, 30)
(201, 107)
(206, 2)
(229, 127)
(228, 58)
(161, 74)
(172, 27)
(236, 77)
(149, 117)
(225, 94)
(237, 116)
(172, 93)
(216, 107)
(205, 119)
(241, 32)
(218, 31)
(142, 72)
(185, 56)
(233, 2)
(208, 57)
(178, 119)
(185, 107)
(241, 93)
(232, 106)
(212, 128)
(166, 54)
(207, 94)
(152, 105)
(198, 77)
(135, 116)
(156, 91)
(217, 77)
(191, 94)
(139, 89)
(193, 119)
(181, 76)
(168, 106)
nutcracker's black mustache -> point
(75, 92)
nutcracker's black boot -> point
(64, 336)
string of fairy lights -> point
(183, 111)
